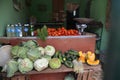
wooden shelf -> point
(62, 69)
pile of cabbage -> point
(28, 56)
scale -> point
(81, 24)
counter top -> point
(87, 35)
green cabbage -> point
(22, 52)
(55, 63)
(42, 51)
(25, 65)
(69, 76)
(19, 52)
(12, 67)
(33, 54)
(41, 64)
(49, 50)
(14, 51)
(30, 44)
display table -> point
(80, 43)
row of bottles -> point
(19, 30)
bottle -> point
(12, 31)
(16, 30)
(20, 32)
(8, 31)
(31, 30)
(25, 29)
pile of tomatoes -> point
(62, 32)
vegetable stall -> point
(63, 45)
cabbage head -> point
(25, 65)
(33, 54)
(19, 52)
(49, 50)
(12, 67)
(55, 63)
(30, 44)
(22, 52)
(41, 64)
(14, 51)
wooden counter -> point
(56, 74)
(63, 43)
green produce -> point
(14, 51)
(71, 55)
(11, 67)
(30, 44)
(49, 50)
(41, 64)
(70, 76)
(68, 64)
(22, 52)
(33, 54)
(60, 55)
(25, 65)
(55, 63)
(47, 57)
(19, 52)
(42, 51)
(73, 52)
(42, 33)
(56, 55)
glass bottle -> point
(31, 30)
(25, 29)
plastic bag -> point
(78, 66)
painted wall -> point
(98, 12)
(8, 15)
(45, 15)
(42, 10)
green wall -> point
(44, 15)
(8, 15)
(98, 12)
(42, 10)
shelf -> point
(62, 69)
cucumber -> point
(69, 64)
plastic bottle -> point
(16, 30)
(20, 32)
(12, 31)
(8, 31)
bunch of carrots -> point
(62, 32)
